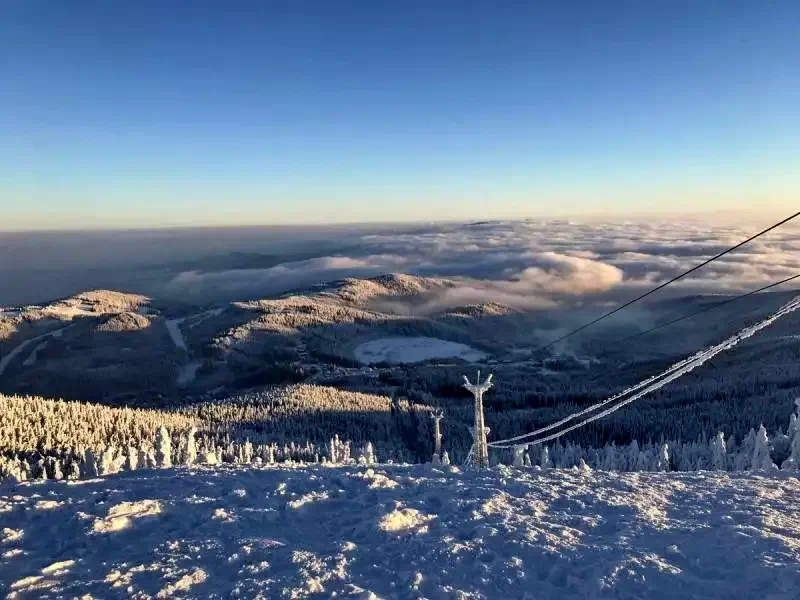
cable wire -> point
(705, 310)
(666, 283)
(651, 384)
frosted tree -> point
(662, 460)
(346, 452)
(190, 451)
(132, 459)
(761, 458)
(163, 448)
(90, 464)
(141, 456)
(445, 458)
(544, 458)
(526, 458)
(247, 452)
(518, 459)
(369, 453)
(73, 470)
(53, 468)
(106, 466)
(610, 460)
(437, 416)
(793, 462)
(333, 449)
(744, 456)
(719, 456)
(209, 457)
(631, 457)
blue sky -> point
(135, 114)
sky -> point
(153, 114)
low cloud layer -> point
(534, 264)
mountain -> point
(405, 336)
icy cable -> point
(649, 385)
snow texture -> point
(298, 532)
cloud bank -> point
(529, 264)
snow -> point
(173, 327)
(31, 360)
(302, 531)
(6, 360)
(188, 372)
(67, 312)
(399, 350)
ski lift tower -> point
(480, 449)
(437, 415)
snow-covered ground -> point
(398, 350)
(6, 360)
(188, 372)
(174, 329)
(402, 532)
(31, 360)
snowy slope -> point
(402, 532)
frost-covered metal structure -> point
(437, 416)
(480, 449)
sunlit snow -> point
(283, 531)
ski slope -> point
(393, 531)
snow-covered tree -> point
(761, 458)
(744, 456)
(719, 457)
(132, 459)
(163, 448)
(190, 453)
(544, 458)
(663, 458)
(445, 458)
(367, 454)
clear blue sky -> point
(153, 113)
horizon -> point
(144, 117)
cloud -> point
(528, 264)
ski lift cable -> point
(655, 382)
(648, 381)
(666, 283)
(707, 309)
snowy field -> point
(397, 350)
(402, 532)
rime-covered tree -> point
(163, 448)
(719, 452)
(761, 458)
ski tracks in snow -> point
(402, 532)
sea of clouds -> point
(528, 264)
(525, 264)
